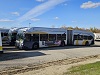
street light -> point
(29, 24)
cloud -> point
(35, 19)
(40, 9)
(90, 4)
(40, 0)
(56, 18)
(6, 20)
(15, 13)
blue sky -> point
(48, 13)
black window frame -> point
(35, 37)
(80, 37)
(85, 37)
(63, 37)
(59, 36)
(75, 37)
(90, 37)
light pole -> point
(29, 24)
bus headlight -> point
(22, 44)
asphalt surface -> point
(14, 57)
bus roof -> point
(15, 30)
(24, 29)
(2, 30)
(43, 30)
(83, 32)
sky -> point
(49, 13)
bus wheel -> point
(35, 46)
(1, 52)
(62, 43)
(92, 42)
(87, 43)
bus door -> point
(43, 40)
(35, 38)
(31, 39)
(69, 37)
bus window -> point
(52, 37)
(63, 36)
(80, 37)
(85, 37)
(90, 37)
(14, 34)
(75, 37)
(2, 34)
(43, 37)
(5, 34)
(58, 36)
(27, 37)
(35, 37)
(20, 36)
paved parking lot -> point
(14, 57)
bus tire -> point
(87, 43)
(35, 46)
(1, 52)
(62, 43)
(92, 43)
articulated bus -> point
(36, 37)
(1, 50)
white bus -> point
(35, 37)
(97, 36)
(1, 50)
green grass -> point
(88, 69)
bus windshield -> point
(14, 34)
(20, 36)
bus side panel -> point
(42, 44)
